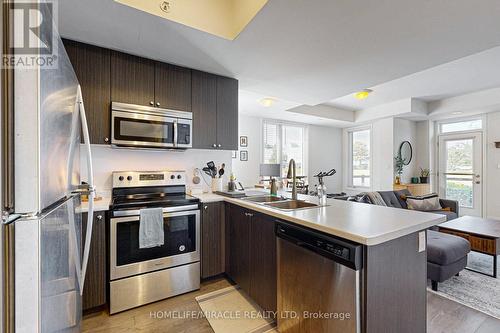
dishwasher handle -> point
(339, 250)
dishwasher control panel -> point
(340, 250)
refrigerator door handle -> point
(90, 189)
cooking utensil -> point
(213, 168)
(208, 171)
(221, 170)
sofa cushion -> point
(400, 194)
(448, 213)
(390, 199)
(424, 202)
(444, 249)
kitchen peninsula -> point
(238, 238)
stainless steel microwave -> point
(150, 127)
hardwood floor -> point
(443, 316)
(142, 319)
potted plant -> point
(398, 166)
(424, 175)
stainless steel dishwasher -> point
(318, 281)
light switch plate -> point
(421, 241)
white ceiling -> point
(478, 72)
(308, 52)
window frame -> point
(280, 125)
(349, 163)
(439, 125)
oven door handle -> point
(116, 220)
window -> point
(283, 142)
(461, 126)
(359, 158)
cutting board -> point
(233, 194)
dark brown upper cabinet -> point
(215, 112)
(132, 79)
(204, 104)
(92, 68)
(227, 113)
(172, 87)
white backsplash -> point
(107, 159)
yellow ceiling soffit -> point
(223, 18)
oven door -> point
(139, 129)
(181, 246)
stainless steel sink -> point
(292, 205)
(264, 199)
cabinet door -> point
(204, 106)
(263, 289)
(212, 239)
(92, 68)
(227, 113)
(94, 289)
(132, 79)
(172, 87)
(239, 241)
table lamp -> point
(271, 170)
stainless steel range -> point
(142, 275)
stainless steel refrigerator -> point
(45, 259)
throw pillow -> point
(424, 203)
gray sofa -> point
(446, 254)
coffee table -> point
(482, 234)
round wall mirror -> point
(406, 152)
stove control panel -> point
(148, 178)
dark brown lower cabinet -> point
(251, 252)
(238, 243)
(263, 279)
(94, 289)
(212, 239)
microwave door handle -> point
(176, 133)
(91, 191)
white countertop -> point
(358, 222)
(362, 223)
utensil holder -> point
(217, 184)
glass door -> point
(460, 170)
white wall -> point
(107, 159)
(247, 172)
(383, 154)
(325, 153)
(406, 130)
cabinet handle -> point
(106, 139)
(214, 145)
(205, 207)
(151, 103)
(99, 217)
(157, 103)
(219, 145)
(248, 214)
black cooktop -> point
(144, 199)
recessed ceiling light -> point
(267, 102)
(456, 113)
(363, 94)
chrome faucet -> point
(292, 174)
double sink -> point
(281, 203)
